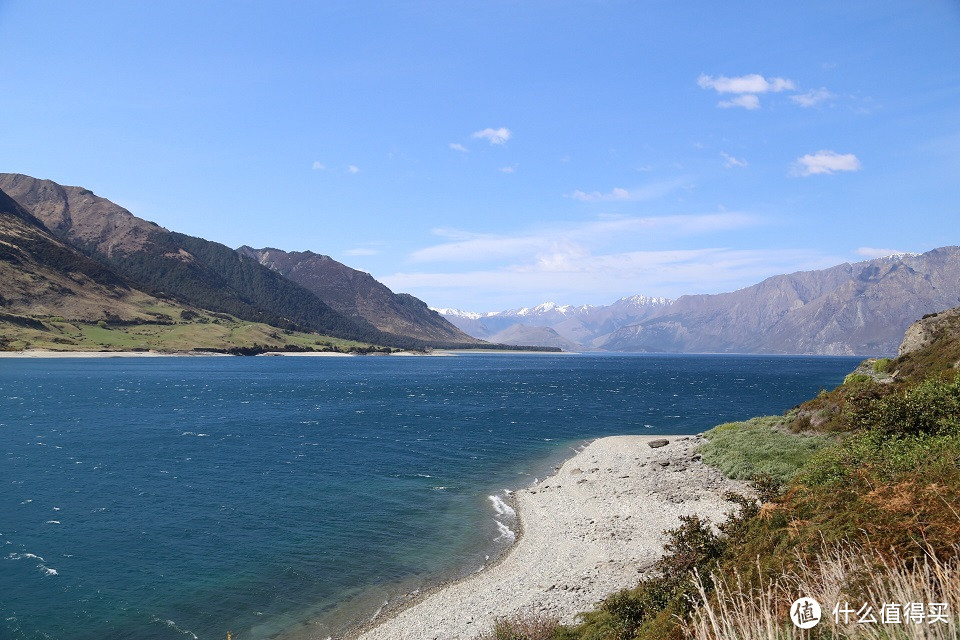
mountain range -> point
(68, 254)
(142, 259)
(850, 309)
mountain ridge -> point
(859, 308)
(358, 294)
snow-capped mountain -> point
(582, 324)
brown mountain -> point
(43, 276)
(850, 309)
(197, 271)
(357, 294)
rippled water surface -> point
(172, 498)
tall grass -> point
(844, 574)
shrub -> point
(520, 627)
(933, 406)
(882, 365)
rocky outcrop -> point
(929, 329)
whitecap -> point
(48, 571)
(506, 533)
(53, 522)
(501, 507)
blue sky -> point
(487, 155)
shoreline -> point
(49, 353)
(575, 542)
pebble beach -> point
(594, 527)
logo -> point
(805, 613)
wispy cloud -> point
(825, 162)
(319, 166)
(493, 136)
(456, 146)
(577, 276)
(731, 162)
(873, 252)
(596, 196)
(646, 192)
(571, 240)
(353, 168)
(811, 98)
(507, 169)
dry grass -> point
(845, 574)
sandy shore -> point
(42, 353)
(592, 528)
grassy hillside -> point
(197, 331)
(858, 501)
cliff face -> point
(357, 294)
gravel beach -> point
(592, 528)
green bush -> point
(857, 378)
(933, 406)
(882, 365)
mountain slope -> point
(42, 276)
(860, 308)
(357, 294)
(196, 271)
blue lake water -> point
(172, 498)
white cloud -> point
(465, 246)
(319, 166)
(578, 275)
(748, 101)
(752, 83)
(508, 169)
(730, 162)
(353, 168)
(493, 136)
(825, 162)
(647, 192)
(872, 252)
(361, 251)
(812, 97)
(456, 146)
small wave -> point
(48, 571)
(501, 507)
(27, 501)
(424, 475)
(173, 625)
(198, 435)
(506, 533)
(53, 522)
(439, 488)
